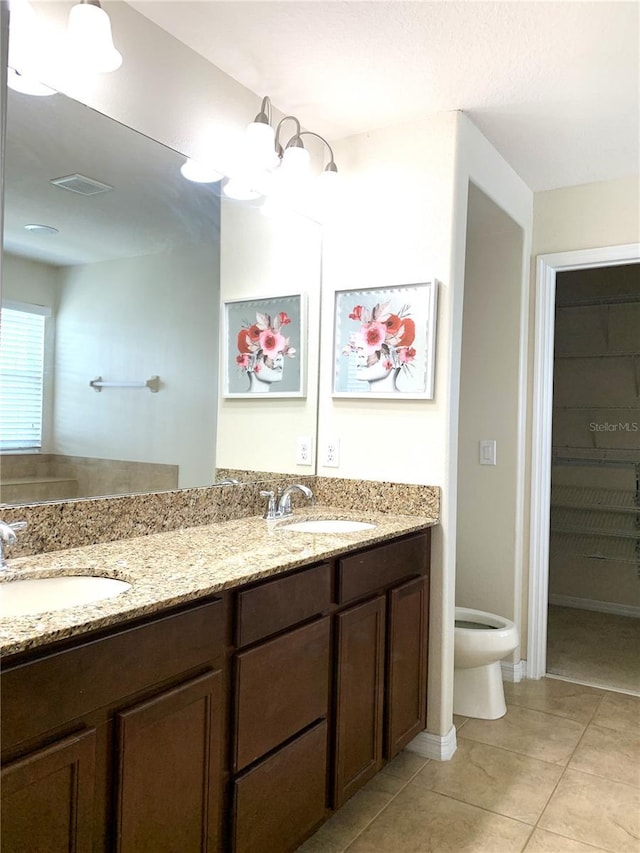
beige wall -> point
(488, 506)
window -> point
(21, 375)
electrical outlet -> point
(304, 448)
(332, 453)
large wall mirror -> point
(128, 288)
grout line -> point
(377, 815)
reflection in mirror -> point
(129, 286)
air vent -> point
(81, 184)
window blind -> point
(21, 377)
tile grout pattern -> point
(612, 663)
(498, 794)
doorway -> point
(593, 627)
(548, 266)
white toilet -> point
(481, 641)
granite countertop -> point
(166, 569)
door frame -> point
(547, 267)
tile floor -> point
(613, 661)
(560, 773)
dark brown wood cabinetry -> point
(236, 724)
(47, 797)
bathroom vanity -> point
(236, 720)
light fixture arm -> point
(294, 142)
(331, 165)
(264, 116)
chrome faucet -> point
(282, 508)
(8, 537)
(284, 498)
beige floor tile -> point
(495, 779)
(619, 711)
(548, 842)
(555, 697)
(338, 832)
(544, 736)
(595, 811)
(405, 765)
(421, 821)
(613, 660)
(608, 753)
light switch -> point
(488, 452)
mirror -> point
(132, 284)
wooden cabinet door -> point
(169, 770)
(47, 798)
(406, 676)
(280, 800)
(359, 697)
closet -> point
(594, 560)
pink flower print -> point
(243, 360)
(388, 365)
(271, 342)
(356, 314)
(257, 367)
(406, 354)
(373, 335)
(284, 318)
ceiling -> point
(554, 86)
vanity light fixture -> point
(89, 37)
(26, 51)
(265, 153)
(200, 173)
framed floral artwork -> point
(263, 344)
(384, 342)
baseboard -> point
(598, 606)
(439, 747)
(513, 671)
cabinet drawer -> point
(280, 801)
(282, 603)
(94, 674)
(281, 687)
(377, 568)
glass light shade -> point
(238, 189)
(27, 51)
(200, 173)
(295, 161)
(26, 84)
(90, 40)
(260, 145)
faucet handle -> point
(8, 537)
(270, 509)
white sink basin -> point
(40, 595)
(328, 525)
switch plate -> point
(331, 458)
(488, 452)
(304, 450)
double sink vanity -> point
(246, 680)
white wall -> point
(130, 319)
(404, 214)
(270, 256)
